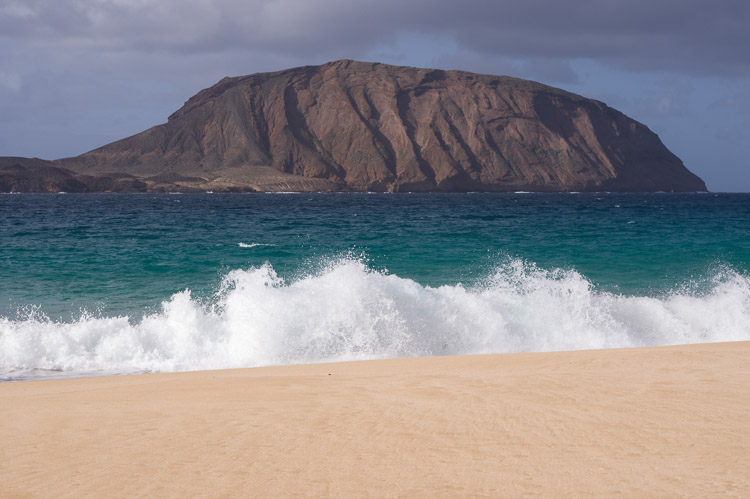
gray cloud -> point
(692, 36)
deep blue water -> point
(82, 259)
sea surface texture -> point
(112, 283)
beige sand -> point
(642, 422)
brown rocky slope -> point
(350, 125)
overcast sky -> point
(77, 74)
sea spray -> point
(347, 311)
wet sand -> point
(663, 421)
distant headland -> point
(357, 126)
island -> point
(361, 126)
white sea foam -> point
(253, 245)
(347, 311)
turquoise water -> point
(87, 281)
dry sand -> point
(642, 423)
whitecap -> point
(253, 245)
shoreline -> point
(656, 421)
(62, 375)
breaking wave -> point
(346, 311)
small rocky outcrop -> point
(37, 175)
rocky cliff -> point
(350, 125)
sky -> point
(77, 74)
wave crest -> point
(346, 311)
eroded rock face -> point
(352, 125)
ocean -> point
(100, 284)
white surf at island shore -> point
(346, 311)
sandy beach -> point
(665, 421)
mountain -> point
(359, 126)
